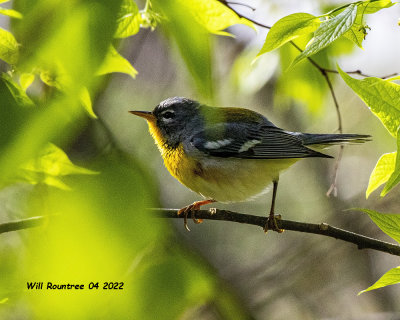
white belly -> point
(235, 180)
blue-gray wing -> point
(251, 141)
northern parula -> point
(229, 154)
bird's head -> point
(171, 119)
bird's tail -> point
(325, 140)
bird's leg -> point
(192, 208)
(271, 221)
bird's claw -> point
(272, 223)
(192, 208)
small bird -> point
(229, 154)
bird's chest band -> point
(179, 165)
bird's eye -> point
(168, 115)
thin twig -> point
(339, 115)
(333, 186)
(359, 72)
(362, 242)
(226, 3)
(240, 4)
(312, 61)
(22, 224)
(324, 73)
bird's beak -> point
(144, 114)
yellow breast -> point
(178, 165)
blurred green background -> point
(98, 228)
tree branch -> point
(324, 229)
(362, 242)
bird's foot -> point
(192, 208)
(272, 223)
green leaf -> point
(49, 166)
(53, 161)
(14, 114)
(71, 35)
(375, 6)
(395, 177)
(77, 24)
(149, 17)
(329, 31)
(358, 31)
(25, 80)
(389, 223)
(52, 78)
(87, 102)
(382, 171)
(289, 28)
(9, 48)
(382, 97)
(389, 278)
(357, 34)
(17, 92)
(60, 81)
(214, 15)
(11, 13)
(128, 20)
(114, 62)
